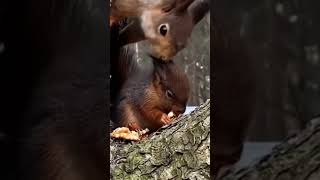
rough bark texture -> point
(298, 158)
(178, 151)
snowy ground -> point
(189, 109)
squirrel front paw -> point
(165, 119)
(133, 126)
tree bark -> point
(298, 158)
(178, 151)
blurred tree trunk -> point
(267, 71)
(281, 39)
(295, 159)
(181, 150)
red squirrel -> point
(147, 93)
(165, 24)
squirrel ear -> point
(169, 6)
(132, 33)
(157, 70)
(156, 78)
(182, 5)
(199, 9)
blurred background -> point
(282, 40)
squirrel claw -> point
(134, 127)
(165, 119)
(143, 132)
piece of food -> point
(171, 115)
(125, 133)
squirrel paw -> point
(133, 126)
(165, 119)
(143, 132)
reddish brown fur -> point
(175, 14)
(143, 101)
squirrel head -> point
(166, 24)
(169, 28)
(171, 85)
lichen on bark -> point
(296, 158)
(178, 151)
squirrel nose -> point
(180, 45)
(178, 110)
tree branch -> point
(298, 158)
(180, 150)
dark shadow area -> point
(266, 68)
(54, 76)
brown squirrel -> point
(166, 24)
(148, 93)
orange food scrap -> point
(125, 133)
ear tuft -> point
(156, 78)
(182, 5)
(199, 9)
(169, 7)
(157, 70)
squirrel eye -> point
(163, 29)
(169, 94)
